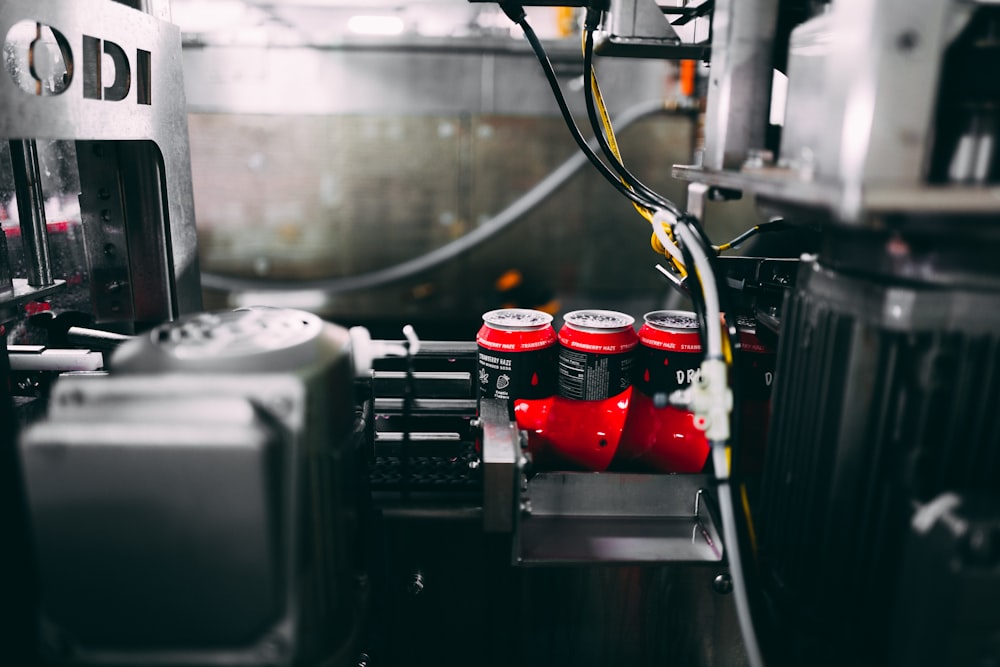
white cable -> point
(713, 314)
(713, 394)
(741, 601)
(411, 338)
(661, 219)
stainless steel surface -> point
(23, 293)
(452, 407)
(31, 209)
(617, 518)
(805, 114)
(442, 348)
(403, 75)
(639, 22)
(870, 70)
(6, 276)
(739, 83)
(501, 466)
(105, 341)
(418, 437)
(787, 185)
(296, 180)
(881, 87)
(102, 213)
(426, 384)
(72, 115)
(39, 358)
(628, 615)
(271, 205)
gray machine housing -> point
(194, 506)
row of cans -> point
(596, 355)
(590, 396)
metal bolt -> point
(273, 648)
(908, 41)
(363, 660)
(982, 546)
(28, 384)
(526, 507)
(110, 250)
(723, 584)
(474, 464)
(758, 158)
(281, 406)
(416, 585)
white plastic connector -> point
(661, 220)
(710, 399)
(364, 350)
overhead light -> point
(375, 25)
(208, 16)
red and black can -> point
(755, 373)
(669, 356)
(596, 353)
(517, 356)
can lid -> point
(517, 319)
(601, 321)
(680, 321)
(746, 323)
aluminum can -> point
(755, 373)
(669, 356)
(665, 438)
(596, 354)
(517, 355)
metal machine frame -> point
(132, 148)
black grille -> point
(870, 414)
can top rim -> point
(517, 319)
(746, 324)
(679, 321)
(593, 319)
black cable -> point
(694, 290)
(597, 126)
(516, 14)
(764, 228)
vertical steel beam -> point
(739, 88)
(31, 210)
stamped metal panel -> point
(152, 49)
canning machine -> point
(795, 459)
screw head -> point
(416, 585)
(723, 584)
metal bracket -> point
(501, 455)
(580, 518)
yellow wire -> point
(727, 349)
(749, 516)
(609, 133)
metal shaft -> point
(31, 211)
(6, 278)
